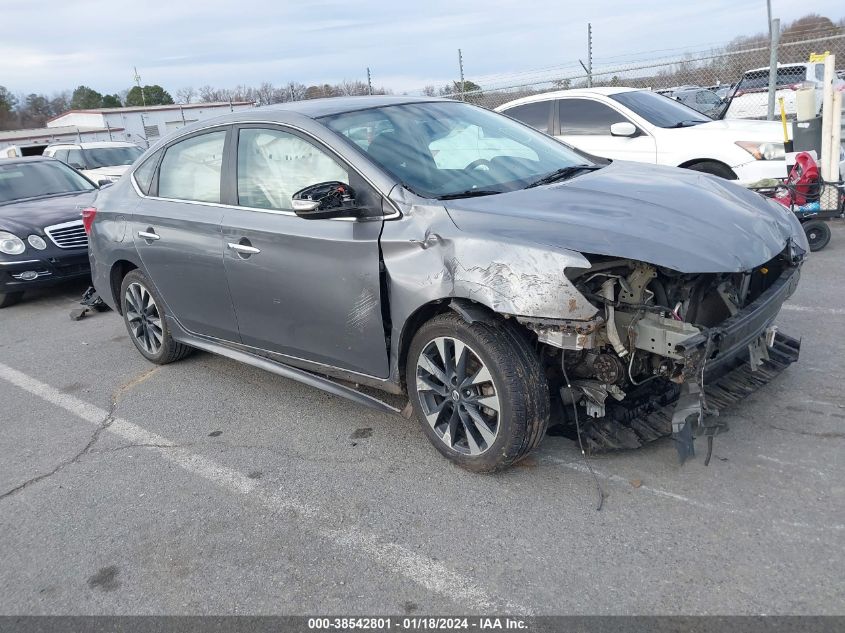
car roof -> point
(574, 92)
(315, 108)
(796, 65)
(27, 159)
(92, 145)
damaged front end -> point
(666, 350)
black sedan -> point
(42, 237)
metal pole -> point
(369, 82)
(461, 67)
(182, 112)
(138, 82)
(769, 16)
(773, 68)
(589, 55)
(108, 127)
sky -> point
(52, 45)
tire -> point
(517, 387)
(9, 298)
(818, 234)
(143, 314)
(713, 168)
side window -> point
(75, 159)
(190, 169)
(579, 117)
(61, 154)
(820, 72)
(144, 174)
(534, 114)
(273, 165)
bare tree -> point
(186, 94)
(430, 91)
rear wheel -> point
(143, 314)
(714, 168)
(818, 234)
(478, 391)
(9, 298)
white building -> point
(139, 125)
(145, 126)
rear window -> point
(19, 181)
(760, 78)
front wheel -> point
(9, 298)
(478, 391)
(818, 234)
(143, 314)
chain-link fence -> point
(726, 72)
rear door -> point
(585, 124)
(303, 288)
(177, 233)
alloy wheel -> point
(457, 396)
(143, 318)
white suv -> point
(105, 161)
(643, 126)
(750, 99)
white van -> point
(103, 161)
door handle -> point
(243, 248)
(149, 235)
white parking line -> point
(797, 308)
(420, 569)
(666, 494)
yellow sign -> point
(818, 57)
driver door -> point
(305, 288)
(585, 124)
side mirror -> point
(623, 129)
(77, 165)
(102, 182)
(325, 200)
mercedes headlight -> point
(11, 244)
(763, 151)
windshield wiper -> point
(561, 174)
(469, 193)
(687, 123)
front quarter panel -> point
(427, 258)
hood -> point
(743, 129)
(680, 219)
(31, 216)
(113, 172)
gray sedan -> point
(497, 278)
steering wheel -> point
(478, 162)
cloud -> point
(406, 45)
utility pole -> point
(773, 68)
(589, 55)
(461, 67)
(369, 82)
(138, 83)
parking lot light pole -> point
(773, 68)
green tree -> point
(7, 100)
(84, 98)
(153, 95)
(111, 101)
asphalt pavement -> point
(210, 487)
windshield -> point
(439, 149)
(659, 110)
(31, 180)
(110, 156)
